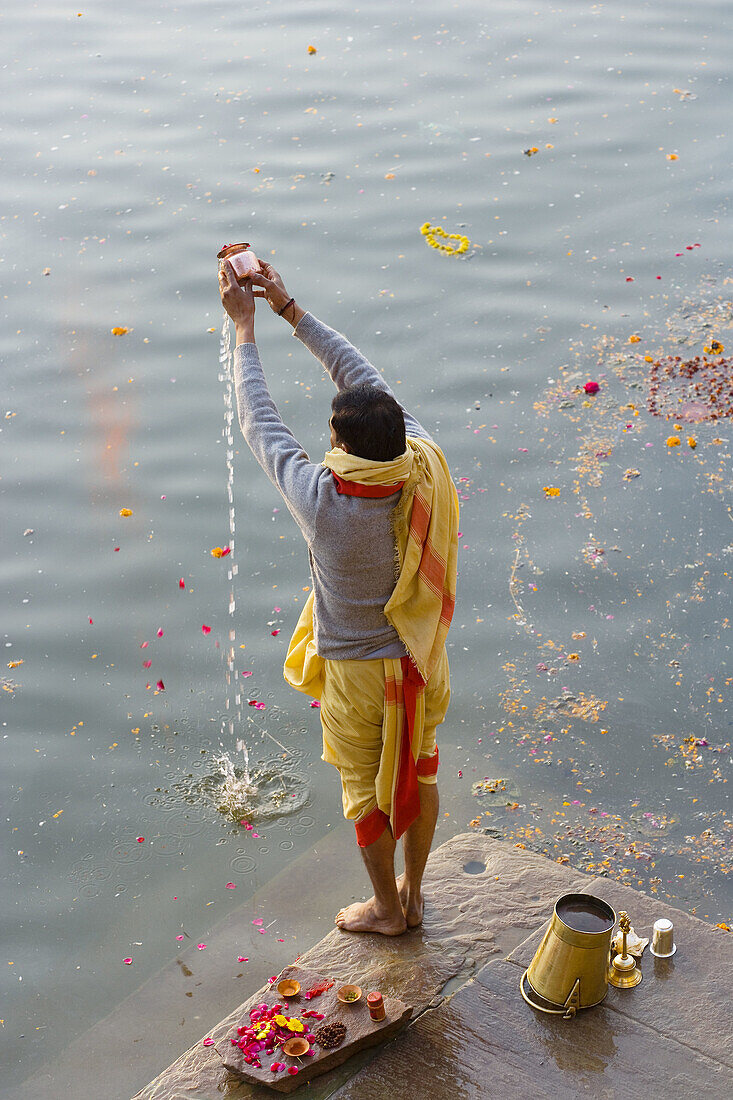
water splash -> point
(235, 789)
(233, 700)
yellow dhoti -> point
(362, 713)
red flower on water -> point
(206, 629)
(181, 583)
(591, 387)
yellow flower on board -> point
(125, 512)
(550, 490)
(673, 441)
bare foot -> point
(362, 917)
(413, 910)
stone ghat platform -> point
(472, 1035)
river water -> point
(584, 151)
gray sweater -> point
(350, 541)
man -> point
(380, 517)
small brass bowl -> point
(349, 994)
(296, 1046)
(288, 987)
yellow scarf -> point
(425, 525)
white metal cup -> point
(663, 945)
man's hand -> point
(239, 303)
(272, 289)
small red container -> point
(375, 1004)
(242, 259)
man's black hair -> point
(370, 422)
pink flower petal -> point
(201, 946)
(141, 840)
(91, 622)
(231, 886)
(274, 633)
(127, 961)
(206, 629)
(315, 703)
(144, 645)
(243, 958)
(245, 674)
(179, 937)
(258, 921)
(160, 632)
(225, 550)
(181, 583)
(147, 664)
(276, 609)
(208, 1042)
(160, 685)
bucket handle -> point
(569, 1008)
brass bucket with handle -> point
(570, 967)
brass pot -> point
(570, 967)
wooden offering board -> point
(361, 1030)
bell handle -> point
(566, 1013)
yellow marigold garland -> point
(431, 233)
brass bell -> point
(623, 972)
